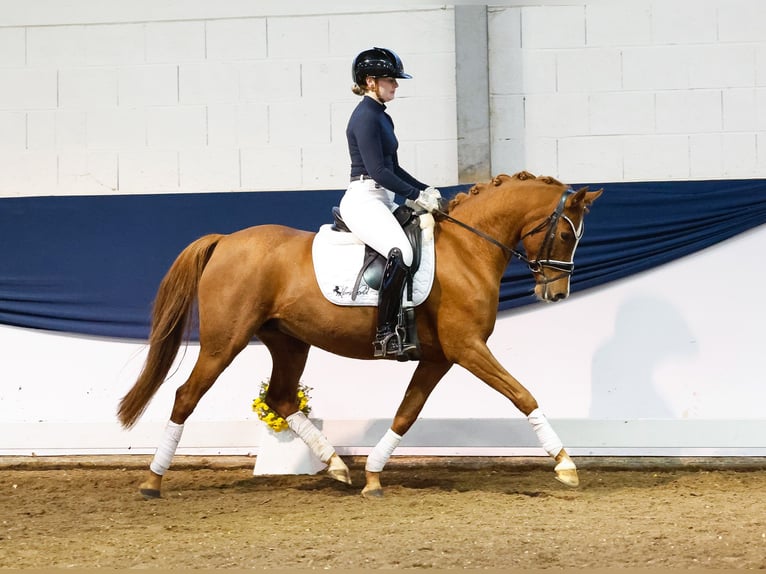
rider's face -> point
(385, 88)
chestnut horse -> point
(259, 282)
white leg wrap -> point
(545, 433)
(311, 435)
(167, 449)
(382, 451)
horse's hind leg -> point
(205, 372)
(288, 361)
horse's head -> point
(550, 241)
(545, 215)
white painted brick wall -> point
(41, 130)
(547, 27)
(176, 127)
(171, 42)
(619, 23)
(148, 85)
(644, 89)
(115, 45)
(56, 46)
(760, 145)
(209, 168)
(741, 21)
(145, 169)
(85, 88)
(616, 113)
(688, 112)
(116, 129)
(656, 157)
(87, 172)
(208, 83)
(206, 97)
(12, 46)
(13, 131)
(28, 88)
(236, 40)
(684, 22)
(593, 70)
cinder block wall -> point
(140, 98)
(635, 90)
(197, 97)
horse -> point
(259, 283)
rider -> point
(376, 177)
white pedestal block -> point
(284, 453)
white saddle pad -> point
(338, 257)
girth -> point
(374, 263)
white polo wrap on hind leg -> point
(545, 434)
(311, 435)
(379, 456)
(167, 448)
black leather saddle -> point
(374, 263)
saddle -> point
(374, 263)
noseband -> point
(549, 225)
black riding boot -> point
(390, 338)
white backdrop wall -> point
(646, 365)
(144, 97)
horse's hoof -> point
(568, 477)
(338, 470)
(150, 493)
(372, 492)
(566, 472)
(340, 475)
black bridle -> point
(549, 225)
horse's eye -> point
(566, 236)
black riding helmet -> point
(379, 63)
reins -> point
(483, 235)
(536, 265)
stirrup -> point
(393, 343)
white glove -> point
(429, 199)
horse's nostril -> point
(559, 296)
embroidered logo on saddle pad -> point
(338, 260)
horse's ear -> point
(582, 199)
(592, 196)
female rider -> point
(376, 178)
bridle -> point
(549, 225)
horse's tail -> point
(171, 316)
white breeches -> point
(367, 209)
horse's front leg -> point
(479, 360)
(423, 381)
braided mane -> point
(497, 181)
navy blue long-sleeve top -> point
(372, 146)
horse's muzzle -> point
(553, 291)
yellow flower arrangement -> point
(269, 416)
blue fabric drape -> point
(91, 265)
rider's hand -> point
(429, 199)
